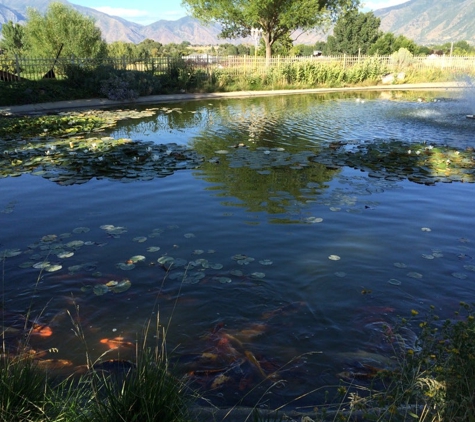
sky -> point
(146, 12)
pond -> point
(273, 239)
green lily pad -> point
(140, 239)
(53, 268)
(153, 249)
(125, 267)
(121, 286)
(41, 264)
(81, 230)
(100, 289)
(8, 253)
(334, 258)
(65, 254)
(137, 258)
(223, 280)
(266, 262)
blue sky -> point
(149, 11)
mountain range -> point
(427, 22)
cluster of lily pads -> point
(56, 148)
(52, 253)
(77, 160)
(421, 163)
(65, 124)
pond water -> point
(274, 238)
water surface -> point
(294, 241)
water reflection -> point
(246, 303)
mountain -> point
(427, 22)
(431, 22)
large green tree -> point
(277, 18)
(62, 25)
(388, 43)
(13, 39)
(354, 33)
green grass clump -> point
(146, 391)
(23, 389)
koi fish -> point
(116, 342)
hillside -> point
(427, 22)
(431, 22)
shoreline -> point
(94, 103)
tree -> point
(354, 33)
(277, 18)
(13, 38)
(388, 43)
(62, 25)
(122, 49)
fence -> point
(20, 68)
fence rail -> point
(21, 68)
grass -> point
(115, 84)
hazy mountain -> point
(431, 21)
(425, 21)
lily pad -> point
(265, 262)
(223, 280)
(27, 264)
(153, 249)
(121, 286)
(334, 258)
(65, 254)
(414, 274)
(125, 267)
(42, 264)
(100, 289)
(314, 220)
(75, 244)
(140, 239)
(81, 230)
(137, 258)
(53, 268)
(394, 282)
(8, 253)
(400, 265)
(258, 275)
(460, 276)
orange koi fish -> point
(116, 342)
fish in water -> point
(116, 342)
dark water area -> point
(308, 224)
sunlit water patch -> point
(297, 228)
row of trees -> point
(354, 32)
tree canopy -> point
(277, 18)
(62, 25)
(354, 33)
(13, 38)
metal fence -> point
(20, 68)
